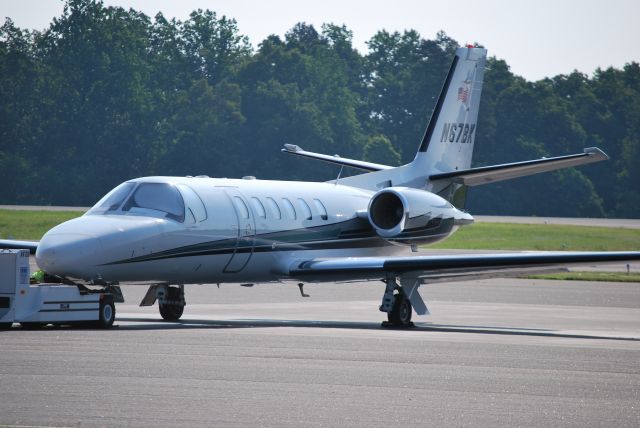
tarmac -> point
(500, 352)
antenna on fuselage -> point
(339, 174)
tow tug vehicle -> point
(59, 303)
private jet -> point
(172, 231)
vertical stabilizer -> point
(448, 142)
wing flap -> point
(491, 174)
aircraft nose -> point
(66, 254)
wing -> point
(491, 174)
(447, 267)
(32, 246)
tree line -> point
(107, 94)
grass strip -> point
(542, 237)
(31, 225)
(590, 276)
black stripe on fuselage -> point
(436, 111)
(353, 233)
(326, 245)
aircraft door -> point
(246, 232)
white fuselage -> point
(231, 230)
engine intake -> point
(386, 210)
(411, 216)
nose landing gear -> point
(170, 299)
(171, 302)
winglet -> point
(291, 148)
(598, 155)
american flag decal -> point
(463, 93)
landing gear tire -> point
(171, 312)
(107, 314)
(5, 325)
(173, 306)
(400, 315)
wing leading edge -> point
(447, 266)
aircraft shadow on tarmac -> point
(157, 324)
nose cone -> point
(66, 252)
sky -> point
(537, 38)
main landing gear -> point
(399, 302)
(170, 300)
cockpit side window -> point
(110, 203)
(156, 199)
(195, 207)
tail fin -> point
(448, 142)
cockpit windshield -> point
(161, 200)
(112, 200)
(156, 199)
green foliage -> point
(379, 149)
(107, 94)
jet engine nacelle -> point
(410, 216)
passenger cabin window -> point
(195, 209)
(289, 208)
(321, 209)
(241, 207)
(275, 209)
(110, 203)
(305, 209)
(258, 207)
(156, 200)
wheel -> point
(400, 314)
(107, 314)
(171, 312)
(5, 325)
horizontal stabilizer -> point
(367, 166)
(491, 174)
(11, 244)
